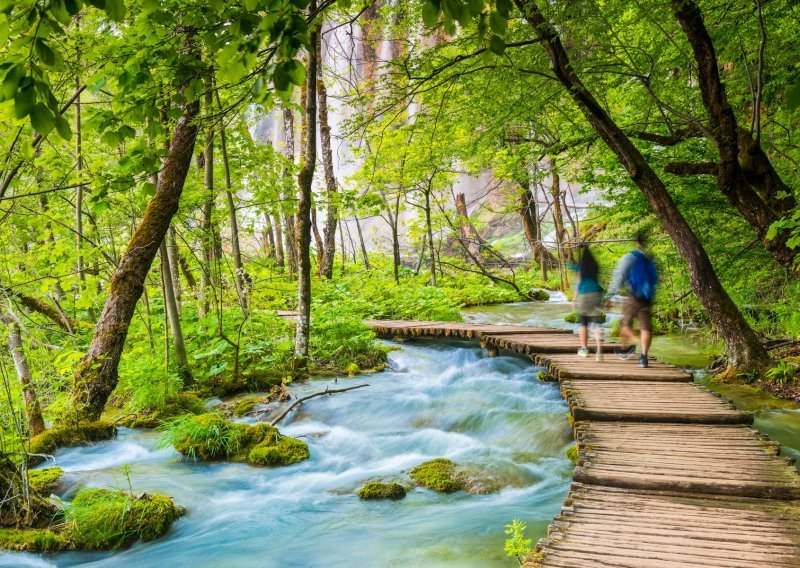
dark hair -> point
(640, 238)
(588, 264)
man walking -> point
(637, 273)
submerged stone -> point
(439, 475)
(378, 490)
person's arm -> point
(620, 273)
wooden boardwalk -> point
(668, 474)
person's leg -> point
(583, 335)
(626, 334)
(598, 337)
(645, 325)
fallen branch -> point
(305, 398)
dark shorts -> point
(586, 320)
(639, 309)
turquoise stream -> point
(439, 399)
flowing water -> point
(439, 400)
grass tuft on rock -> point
(44, 481)
(210, 437)
(378, 490)
(439, 475)
(100, 519)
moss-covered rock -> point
(574, 317)
(245, 406)
(176, 405)
(44, 481)
(539, 295)
(572, 454)
(439, 475)
(66, 436)
(33, 540)
(100, 519)
(378, 490)
(210, 437)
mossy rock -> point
(378, 490)
(44, 481)
(33, 540)
(210, 437)
(539, 296)
(439, 475)
(176, 405)
(99, 519)
(284, 451)
(48, 441)
(572, 454)
(245, 406)
(574, 317)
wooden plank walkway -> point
(669, 474)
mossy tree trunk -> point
(171, 307)
(744, 349)
(96, 375)
(32, 407)
(303, 237)
(289, 231)
(208, 230)
(329, 231)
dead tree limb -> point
(299, 401)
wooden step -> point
(641, 401)
(534, 344)
(713, 459)
(604, 526)
(611, 367)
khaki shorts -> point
(639, 309)
(588, 305)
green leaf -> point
(497, 45)
(504, 7)
(300, 3)
(430, 14)
(42, 119)
(11, 80)
(115, 9)
(24, 101)
(452, 8)
(149, 188)
(62, 127)
(72, 6)
(793, 96)
(475, 7)
(296, 72)
(498, 23)
(43, 51)
(101, 4)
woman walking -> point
(588, 296)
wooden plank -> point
(662, 528)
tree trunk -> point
(269, 239)
(469, 234)
(242, 289)
(80, 189)
(363, 245)
(57, 316)
(744, 349)
(341, 244)
(429, 226)
(290, 247)
(172, 255)
(394, 221)
(529, 213)
(331, 212)
(173, 316)
(564, 251)
(745, 175)
(96, 375)
(279, 258)
(317, 239)
(304, 180)
(207, 222)
(32, 408)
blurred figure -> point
(636, 272)
(588, 295)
